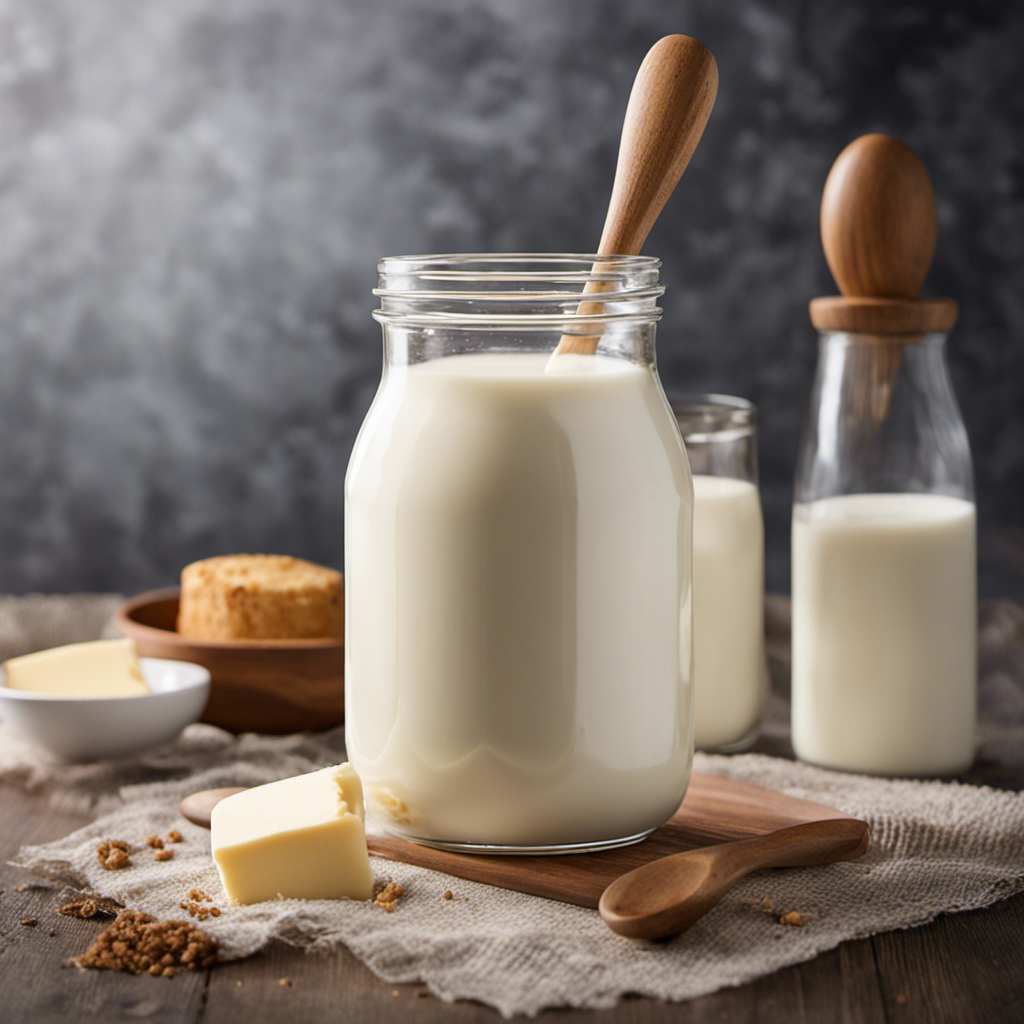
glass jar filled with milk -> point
(517, 551)
(884, 591)
(884, 552)
(729, 672)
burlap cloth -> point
(936, 847)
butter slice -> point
(300, 838)
(99, 668)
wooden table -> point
(961, 968)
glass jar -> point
(884, 563)
(517, 552)
(729, 669)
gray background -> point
(193, 194)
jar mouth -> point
(524, 290)
(708, 417)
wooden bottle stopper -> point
(878, 228)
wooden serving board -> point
(714, 811)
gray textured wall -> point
(193, 195)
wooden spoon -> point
(668, 895)
(668, 108)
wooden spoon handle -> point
(668, 895)
(668, 108)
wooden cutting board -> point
(714, 811)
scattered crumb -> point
(768, 902)
(139, 943)
(20, 888)
(794, 918)
(901, 998)
(113, 854)
(194, 904)
(394, 991)
(387, 896)
(91, 906)
(174, 836)
(163, 855)
(285, 983)
(155, 842)
(29, 922)
(81, 908)
(448, 895)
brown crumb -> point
(198, 895)
(214, 911)
(20, 888)
(387, 897)
(794, 918)
(139, 943)
(163, 855)
(29, 922)
(448, 895)
(174, 836)
(768, 902)
(81, 908)
(155, 842)
(394, 991)
(901, 998)
(113, 854)
(285, 983)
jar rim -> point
(703, 417)
(530, 291)
(430, 263)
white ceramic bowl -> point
(93, 728)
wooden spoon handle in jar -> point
(668, 108)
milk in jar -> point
(517, 542)
(729, 671)
(884, 632)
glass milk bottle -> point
(517, 551)
(729, 671)
(884, 551)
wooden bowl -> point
(272, 686)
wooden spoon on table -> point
(669, 106)
(665, 897)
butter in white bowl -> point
(97, 700)
(98, 668)
(300, 838)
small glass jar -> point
(517, 552)
(884, 563)
(729, 671)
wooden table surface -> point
(960, 968)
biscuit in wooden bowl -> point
(260, 597)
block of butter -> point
(99, 668)
(300, 838)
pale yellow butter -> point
(99, 668)
(300, 838)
